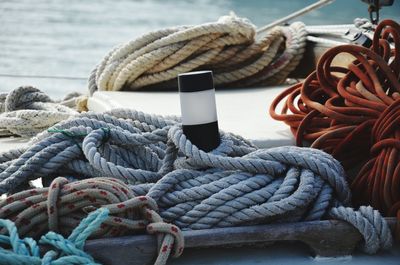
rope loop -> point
(52, 199)
(368, 221)
(170, 229)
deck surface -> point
(8, 143)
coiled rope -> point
(353, 113)
(231, 47)
(235, 184)
(27, 111)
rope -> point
(26, 111)
(229, 47)
(235, 184)
(296, 14)
(62, 206)
(64, 251)
(70, 251)
(353, 114)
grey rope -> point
(235, 184)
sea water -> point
(68, 38)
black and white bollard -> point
(198, 108)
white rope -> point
(230, 47)
(26, 111)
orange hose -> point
(353, 113)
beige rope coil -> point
(231, 47)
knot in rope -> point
(229, 47)
(26, 111)
(172, 239)
(353, 113)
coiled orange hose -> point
(353, 113)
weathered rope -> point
(126, 144)
(353, 114)
(70, 250)
(230, 47)
(61, 207)
(235, 184)
(26, 111)
(63, 250)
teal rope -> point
(66, 251)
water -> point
(68, 38)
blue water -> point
(68, 38)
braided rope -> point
(70, 250)
(62, 207)
(353, 113)
(367, 221)
(235, 184)
(26, 111)
(229, 47)
(66, 251)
